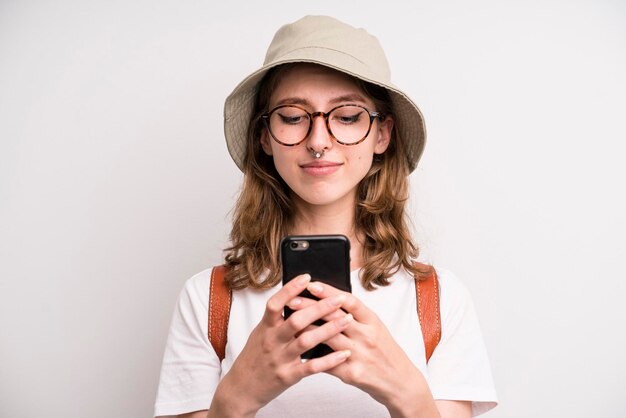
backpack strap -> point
(428, 312)
(426, 289)
(220, 298)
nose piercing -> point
(317, 154)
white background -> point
(116, 186)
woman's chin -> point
(324, 198)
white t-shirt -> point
(458, 369)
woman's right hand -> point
(270, 361)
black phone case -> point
(326, 258)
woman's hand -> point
(270, 361)
(377, 364)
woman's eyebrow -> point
(352, 97)
(293, 101)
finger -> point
(322, 364)
(339, 342)
(299, 303)
(314, 335)
(303, 318)
(275, 304)
(352, 304)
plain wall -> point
(116, 186)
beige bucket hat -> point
(325, 41)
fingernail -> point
(315, 288)
(344, 354)
(304, 279)
(294, 302)
(346, 320)
(337, 300)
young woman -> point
(326, 144)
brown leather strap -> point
(220, 298)
(427, 291)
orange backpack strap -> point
(220, 298)
(426, 289)
(427, 292)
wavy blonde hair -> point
(264, 211)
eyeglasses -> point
(347, 124)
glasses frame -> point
(325, 115)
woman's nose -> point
(319, 137)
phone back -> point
(325, 257)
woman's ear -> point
(385, 127)
(265, 142)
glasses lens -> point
(349, 124)
(289, 124)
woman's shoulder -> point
(450, 283)
(195, 291)
(454, 295)
(452, 290)
(201, 279)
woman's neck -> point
(327, 220)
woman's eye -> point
(348, 119)
(291, 120)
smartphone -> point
(326, 258)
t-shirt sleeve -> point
(191, 369)
(459, 367)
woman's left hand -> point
(377, 364)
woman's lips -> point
(320, 168)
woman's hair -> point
(264, 211)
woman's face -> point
(333, 178)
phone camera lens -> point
(294, 245)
